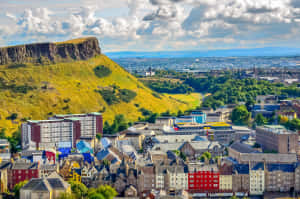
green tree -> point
(66, 196)
(240, 115)
(260, 119)
(17, 188)
(78, 189)
(102, 192)
(207, 155)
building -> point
(47, 188)
(200, 117)
(204, 179)
(60, 131)
(225, 178)
(297, 177)
(20, 171)
(168, 121)
(4, 150)
(277, 138)
(171, 177)
(241, 178)
(280, 177)
(91, 124)
(257, 179)
(146, 178)
(267, 110)
(4, 166)
(136, 139)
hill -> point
(37, 91)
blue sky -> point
(153, 25)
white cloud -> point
(165, 23)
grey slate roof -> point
(281, 167)
(242, 148)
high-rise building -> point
(61, 131)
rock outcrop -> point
(78, 49)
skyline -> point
(154, 25)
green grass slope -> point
(39, 91)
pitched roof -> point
(242, 148)
(258, 166)
(53, 181)
(241, 168)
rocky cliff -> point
(77, 49)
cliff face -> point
(80, 49)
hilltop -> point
(45, 53)
(30, 90)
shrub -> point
(13, 116)
(126, 95)
(102, 71)
(11, 66)
(109, 96)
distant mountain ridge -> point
(267, 51)
(77, 49)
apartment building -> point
(280, 177)
(277, 138)
(240, 178)
(204, 179)
(146, 178)
(225, 178)
(257, 179)
(60, 131)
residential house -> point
(47, 188)
(22, 170)
(131, 191)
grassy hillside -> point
(37, 92)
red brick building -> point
(203, 181)
(21, 171)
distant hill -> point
(30, 89)
(268, 51)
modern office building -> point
(61, 131)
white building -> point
(257, 179)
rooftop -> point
(277, 129)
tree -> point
(78, 189)
(260, 119)
(240, 115)
(207, 155)
(17, 188)
(102, 192)
(66, 196)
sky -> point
(153, 25)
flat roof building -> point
(60, 131)
(277, 138)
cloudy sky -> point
(153, 25)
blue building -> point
(199, 116)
